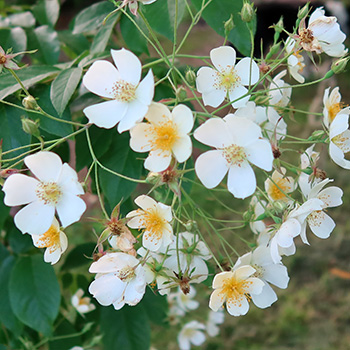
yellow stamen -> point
(234, 154)
(235, 290)
(277, 192)
(164, 136)
(50, 239)
(227, 79)
(124, 91)
(49, 192)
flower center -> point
(153, 223)
(342, 141)
(164, 136)
(334, 109)
(316, 218)
(127, 273)
(278, 191)
(3, 59)
(227, 79)
(235, 290)
(259, 271)
(49, 192)
(50, 239)
(124, 91)
(234, 154)
(306, 36)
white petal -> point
(214, 98)
(70, 208)
(214, 132)
(183, 118)
(260, 154)
(158, 113)
(321, 224)
(237, 307)
(206, 80)
(145, 202)
(129, 66)
(223, 57)
(266, 298)
(151, 241)
(106, 114)
(338, 156)
(244, 131)
(101, 78)
(198, 338)
(339, 125)
(211, 167)
(158, 160)
(135, 112)
(35, 219)
(241, 180)
(19, 189)
(145, 90)
(216, 300)
(331, 196)
(236, 94)
(246, 66)
(182, 149)
(46, 166)
(139, 140)
(68, 181)
(277, 274)
(220, 278)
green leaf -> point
(218, 12)
(156, 306)
(29, 76)
(14, 38)
(19, 242)
(91, 18)
(46, 41)
(7, 317)
(75, 42)
(47, 12)
(102, 37)
(78, 256)
(101, 140)
(126, 329)
(4, 211)
(11, 130)
(42, 93)
(22, 19)
(63, 330)
(158, 16)
(35, 293)
(63, 87)
(125, 162)
(134, 40)
(181, 7)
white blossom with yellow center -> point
(154, 219)
(128, 97)
(191, 333)
(333, 106)
(56, 187)
(227, 79)
(237, 142)
(236, 289)
(164, 135)
(54, 240)
(82, 304)
(279, 186)
(339, 136)
(295, 61)
(120, 280)
(279, 91)
(320, 223)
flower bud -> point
(152, 177)
(340, 65)
(229, 25)
(181, 94)
(30, 127)
(316, 135)
(248, 12)
(191, 77)
(279, 206)
(302, 13)
(29, 102)
(247, 215)
(279, 26)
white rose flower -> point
(279, 91)
(128, 97)
(120, 280)
(227, 78)
(214, 318)
(82, 304)
(238, 142)
(165, 135)
(56, 187)
(192, 332)
(295, 61)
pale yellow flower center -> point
(333, 110)
(124, 91)
(154, 223)
(127, 273)
(50, 239)
(164, 136)
(342, 142)
(49, 192)
(234, 154)
(316, 218)
(227, 79)
(259, 271)
(235, 290)
(278, 191)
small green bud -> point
(340, 65)
(248, 12)
(316, 135)
(30, 127)
(274, 49)
(191, 77)
(191, 226)
(229, 25)
(302, 13)
(181, 94)
(29, 102)
(279, 206)
(247, 216)
(152, 178)
(279, 25)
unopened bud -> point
(5, 173)
(191, 77)
(30, 127)
(340, 65)
(29, 102)
(273, 50)
(181, 94)
(191, 225)
(316, 135)
(302, 13)
(279, 26)
(247, 215)
(229, 25)
(152, 178)
(279, 206)
(248, 12)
